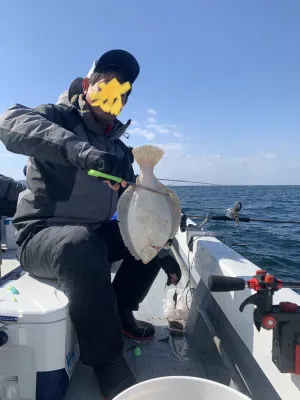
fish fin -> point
(147, 154)
(123, 211)
(175, 208)
(148, 254)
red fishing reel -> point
(283, 319)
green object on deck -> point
(14, 290)
(98, 174)
(137, 351)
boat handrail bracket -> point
(283, 319)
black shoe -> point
(113, 378)
(135, 329)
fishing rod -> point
(232, 214)
(243, 219)
(102, 175)
(116, 179)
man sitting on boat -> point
(63, 219)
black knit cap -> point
(121, 59)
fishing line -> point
(184, 181)
(189, 283)
(172, 184)
(141, 342)
(190, 273)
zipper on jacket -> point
(113, 144)
(112, 191)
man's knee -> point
(79, 241)
(80, 254)
(76, 234)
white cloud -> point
(173, 126)
(151, 120)
(152, 128)
(186, 160)
(240, 160)
(142, 132)
(267, 156)
(163, 130)
(158, 128)
(149, 135)
(151, 111)
(264, 156)
(172, 146)
(180, 161)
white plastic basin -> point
(180, 388)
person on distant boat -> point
(63, 221)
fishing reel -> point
(283, 319)
(232, 214)
(197, 230)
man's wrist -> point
(163, 253)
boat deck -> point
(165, 355)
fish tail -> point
(147, 154)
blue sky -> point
(219, 87)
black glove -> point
(108, 163)
(171, 267)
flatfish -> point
(148, 220)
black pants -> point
(80, 260)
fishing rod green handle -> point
(98, 174)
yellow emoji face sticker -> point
(108, 98)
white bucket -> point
(10, 232)
(180, 388)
